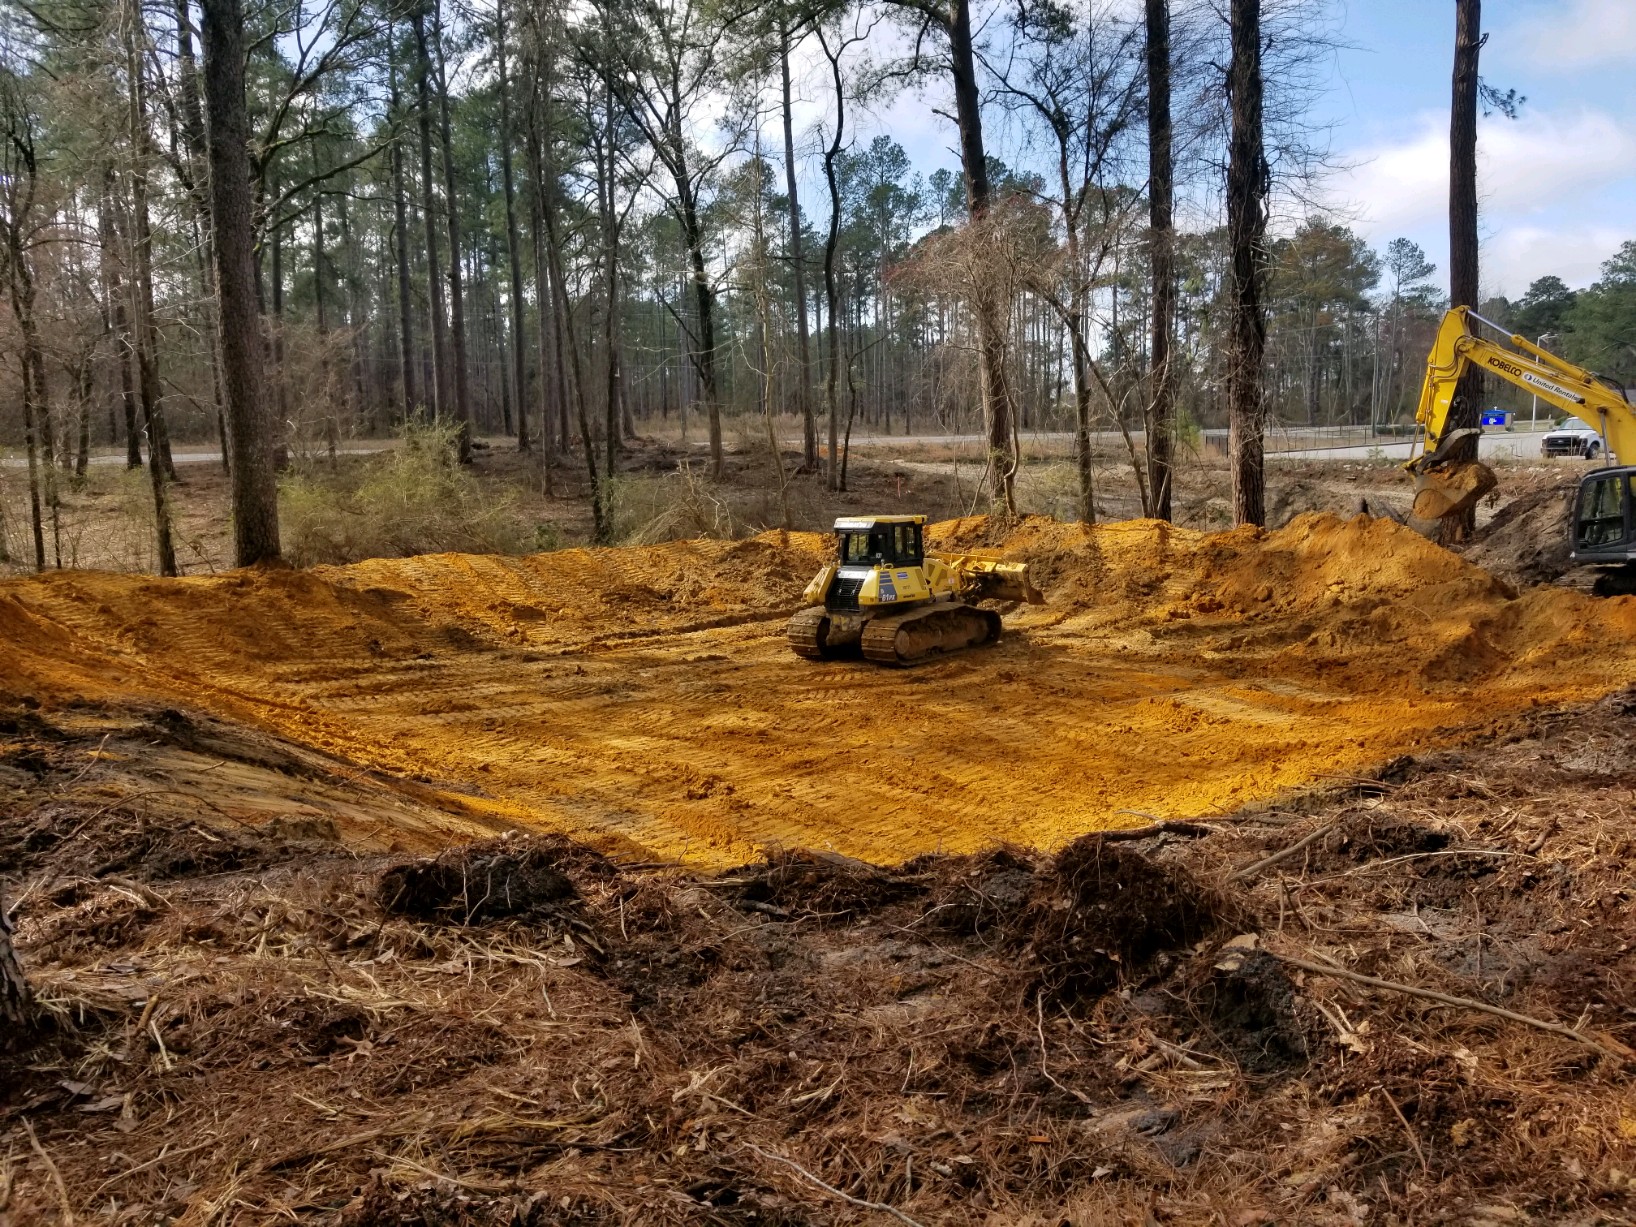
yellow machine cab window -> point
(1604, 510)
(894, 545)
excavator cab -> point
(1604, 522)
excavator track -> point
(932, 630)
(806, 632)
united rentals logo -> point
(1544, 385)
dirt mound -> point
(1251, 1011)
(982, 892)
(518, 877)
(1104, 912)
(1527, 540)
(644, 699)
(817, 886)
(1302, 495)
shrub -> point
(412, 499)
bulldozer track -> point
(806, 632)
(932, 630)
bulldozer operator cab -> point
(1605, 517)
(881, 543)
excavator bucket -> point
(1451, 489)
(988, 579)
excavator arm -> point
(1444, 487)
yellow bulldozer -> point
(886, 597)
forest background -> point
(582, 227)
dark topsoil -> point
(251, 1024)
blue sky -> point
(1557, 186)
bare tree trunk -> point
(987, 310)
(569, 342)
(457, 309)
(85, 390)
(280, 383)
(31, 443)
(832, 292)
(605, 160)
(193, 134)
(119, 315)
(1465, 410)
(803, 381)
(1161, 418)
(249, 429)
(549, 355)
(442, 401)
(704, 298)
(1246, 235)
(400, 212)
(519, 351)
(160, 466)
(331, 423)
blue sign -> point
(1495, 417)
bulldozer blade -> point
(988, 579)
(1451, 489)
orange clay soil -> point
(643, 698)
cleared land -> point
(643, 699)
(278, 981)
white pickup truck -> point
(1574, 439)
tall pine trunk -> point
(610, 290)
(400, 218)
(548, 353)
(803, 381)
(457, 308)
(1246, 241)
(191, 108)
(519, 351)
(161, 470)
(119, 315)
(832, 292)
(1161, 418)
(442, 401)
(249, 427)
(1463, 281)
(988, 310)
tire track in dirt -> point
(644, 697)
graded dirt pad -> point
(643, 699)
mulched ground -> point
(246, 1024)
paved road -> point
(1301, 443)
(111, 458)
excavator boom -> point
(1445, 487)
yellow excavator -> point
(1603, 531)
(885, 596)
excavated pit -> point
(643, 699)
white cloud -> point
(1514, 257)
(1543, 183)
(1573, 34)
(1523, 166)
